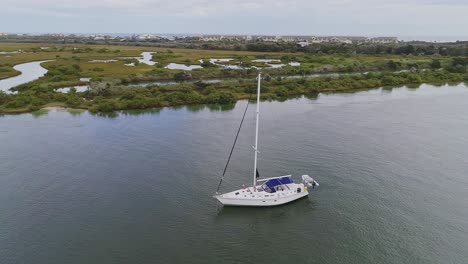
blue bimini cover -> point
(271, 184)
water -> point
(274, 66)
(103, 61)
(266, 60)
(221, 63)
(269, 63)
(79, 89)
(216, 61)
(164, 83)
(146, 58)
(232, 66)
(272, 63)
(29, 72)
(179, 66)
(136, 188)
(11, 52)
(211, 81)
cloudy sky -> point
(438, 18)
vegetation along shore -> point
(114, 75)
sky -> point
(403, 18)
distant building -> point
(223, 38)
(357, 39)
(268, 38)
(171, 38)
(303, 43)
(325, 39)
(55, 35)
(383, 40)
(100, 37)
(233, 38)
(292, 38)
(300, 40)
(148, 37)
(211, 38)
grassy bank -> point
(107, 97)
(66, 55)
(110, 81)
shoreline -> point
(17, 73)
(21, 73)
(60, 105)
(115, 87)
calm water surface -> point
(146, 58)
(136, 188)
(179, 66)
(30, 71)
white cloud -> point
(214, 7)
(295, 16)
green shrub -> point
(105, 106)
(281, 92)
(74, 100)
(4, 98)
(221, 97)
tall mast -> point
(256, 133)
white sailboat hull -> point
(247, 197)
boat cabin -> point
(276, 184)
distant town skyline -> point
(171, 35)
(410, 19)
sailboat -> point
(266, 191)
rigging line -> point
(233, 145)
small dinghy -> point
(265, 191)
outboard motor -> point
(307, 180)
